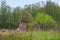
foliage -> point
(52, 9)
(16, 17)
(26, 17)
(45, 20)
(32, 8)
(10, 18)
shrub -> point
(42, 21)
(26, 17)
(45, 20)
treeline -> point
(34, 15)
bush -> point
(45, 20)
(26, 17)
(42, 21)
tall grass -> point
(37, 35)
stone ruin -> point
(22, 27)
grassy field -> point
(36, 35)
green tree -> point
(32, 8)
(16, 16)
(3, 13)
(52, 9)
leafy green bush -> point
(26, 17)
(45, 20)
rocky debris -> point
(22, 27)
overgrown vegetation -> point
(35, 17)
(47, 16)
(37, 35)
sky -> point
(21, 3)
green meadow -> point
(37, 35)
